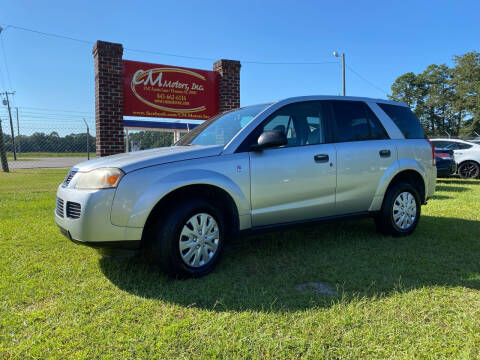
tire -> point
(469, 170)
(390, 221)
(172, 234)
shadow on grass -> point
(261, 273)
(458, 181)
(451, 188)
(440, 197)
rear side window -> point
(463, 146)
(355, 122)
(405, 119)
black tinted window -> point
(440, 144)
(405, 119)
(355, 121)
(464, 146)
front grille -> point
(59, 207)
(69, 177)
(74, 210)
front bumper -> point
(91, 224)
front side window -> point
(356, 122)
(303, 123)
(221, 129)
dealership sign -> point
(166, 91)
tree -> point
(437, 107)
(466, 81)
(446, 100)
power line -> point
(59, 110)
(367, 81)
(4, 88)
(69, 116)
(65, 37)
(5, 61)
(48, 34)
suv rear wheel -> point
(188, 242)
(400, 210)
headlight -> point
(99, 179)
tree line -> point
(53, 142)
(445, 99)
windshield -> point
(220, 129)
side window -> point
(451, 145)
(303, 123)
(463, 146)
(440, 144)
(284, 124)
(405, 119)
(355, 122)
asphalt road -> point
(46, 163)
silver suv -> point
(297, 160)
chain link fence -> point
(60, 140)
(39, 142)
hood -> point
(140, 159)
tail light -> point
(434, 162)
(444, 155)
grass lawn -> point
(29, 156)
(415, 297)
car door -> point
(295, 182)
(364, 152)
(462, 151)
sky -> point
(53, 78)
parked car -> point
(445, 160)
(467, 156)
(298, 160)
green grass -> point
(33, 155)
(414, 297)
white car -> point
(467, 156)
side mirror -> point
(270, 139)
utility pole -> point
(3, 155)
(18, 130)
(336, 54)
(11, 123)
(88, 139)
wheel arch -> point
(468, 160)
(212, 193)
(412, 177)
(413, 174)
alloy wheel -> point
(469, 170)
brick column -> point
(228, 84)
(108, 98)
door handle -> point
(321, 158)
(384, 153)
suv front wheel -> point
(188, 242)
(400, 210)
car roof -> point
(347, 98)
(452, 140)
(327, 97)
